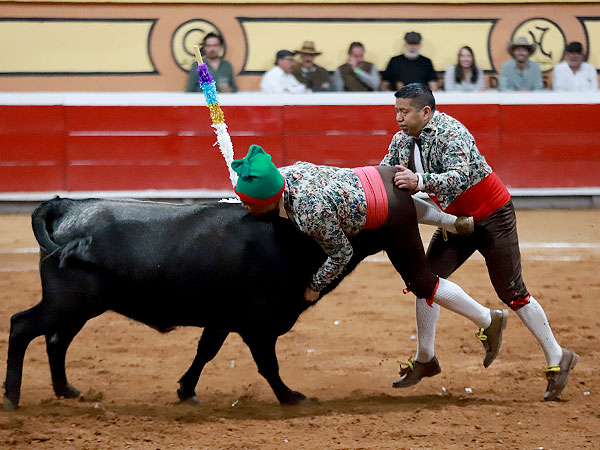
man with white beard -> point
(574, 74)
(410, 67)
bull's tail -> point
(43, 218)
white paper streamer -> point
(226, 147)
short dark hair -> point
(412, 37)
(574, 47)
(213, 35)
(355, 44)
(282, 54)
(420, 95)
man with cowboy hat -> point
(313, 76)
(520, 73)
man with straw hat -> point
(331, 205)
(313, 76)
(520, 73)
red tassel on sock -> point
(430, 299)
(516, 304)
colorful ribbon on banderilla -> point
(209, 88)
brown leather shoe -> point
(491, 337)
(414, 371)
(558, 376)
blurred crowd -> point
(296, 71)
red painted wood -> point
(337, 150)
(46, 148)
(301, 119)
(31, 178)
(560, 147)
(22, 119)
(566, 119)
(477, 118)
(549, 174)
(27, 147)
(121, 177)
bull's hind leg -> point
(263, 352)
(209, 345)
(57, 344)
(24, 327)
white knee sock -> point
(535, 320)
(452, 297)
(430, 214)
(426, 317)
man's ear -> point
(427, 112)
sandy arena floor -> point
(343, 352)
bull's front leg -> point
(209, 345)
(263, 351)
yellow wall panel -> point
(75, 46)
(592, 28)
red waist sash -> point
(480, 200)
(377, 201)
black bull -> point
(211, 266)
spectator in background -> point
(220, 69)
(464, 75)
(573, 74)
(311, 75)
(410, 67)
(520, 73)
(357, 74)
(279, 79)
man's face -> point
(307, 60)
(574, 59)
(286, 63)
(212, 48)
(357, 54)
(411, 120)
(411, 51)
(521, 54)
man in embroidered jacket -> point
(436, 154)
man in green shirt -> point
(220, 69)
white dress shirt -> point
(585, 79)
(276, 81)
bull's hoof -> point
(9, 405)
(187, 396)
(193, 401)
(295, 398)
(68, 391)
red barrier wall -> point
(86, 148)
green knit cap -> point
(259, 182)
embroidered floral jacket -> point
(451, 161)
(328, 204)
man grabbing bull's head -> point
(331, 204)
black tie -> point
(411, 158)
